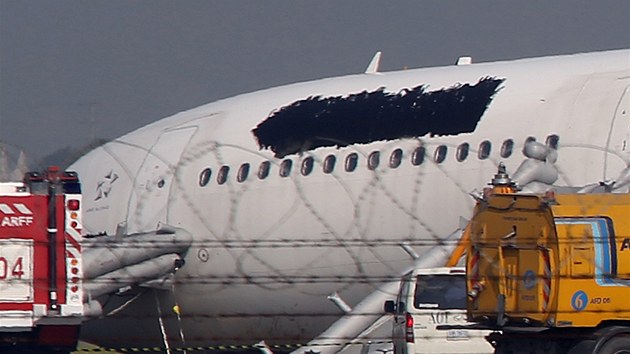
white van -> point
(428, 298)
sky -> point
(72, 71)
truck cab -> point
(428, 298)
(551, 271)
(41, 289)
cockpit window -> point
(443, 292)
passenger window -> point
(417, 157)
(484, 150)
(373, 160)
(263, 169)
(506, 148)
(204, 177)
(285, 168)
(223, 174)
(552, 141)
(529, 139)
(243, 172)
(462, 152)
(329, 163)
(351, 162)
(307, 166)
(395, 158)
(440, 154)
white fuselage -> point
(267, 252)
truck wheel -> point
(616, 345)
(583, 347)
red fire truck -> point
(41, 299)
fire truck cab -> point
(41, 299)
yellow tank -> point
(550, 273)
(555, 261)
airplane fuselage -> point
(288, 202)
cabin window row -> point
(351, 161)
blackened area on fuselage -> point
(374, 116)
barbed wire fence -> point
(263, 246)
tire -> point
(583, 347)
(616, 345)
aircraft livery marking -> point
(366, 117)
(104, 186)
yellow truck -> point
(550, 273)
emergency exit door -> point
(148, 205)
(619, 136)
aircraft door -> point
(156, 178)
(618, 141)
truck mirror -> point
(390, 306)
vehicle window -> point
(307, 166)
(285, 167)
(440, 154)
(243, 172)
(204, 177)
(443, 292)
(329, 163)
(402, 294)
(462, 152)
(223, 174)
(395, 158)
(373, 160)
(351, 162)
(484, 150)
(506, 148)
(263, 170)
(552, 141)
(417, 157)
